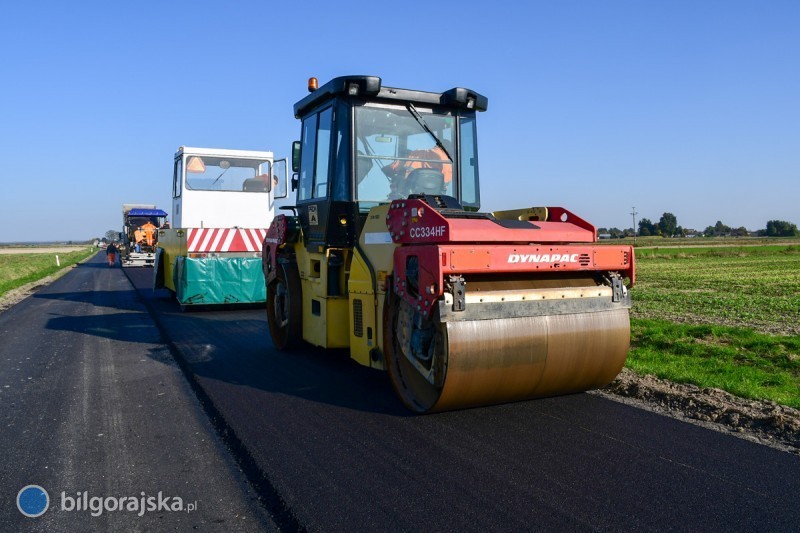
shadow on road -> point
(221, 347)
(237, 351)
(122, 300)
(128, 327)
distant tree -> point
(781, 228)
(647, 228)
(721, 229)
(628, 232)
(601, 231)
(668, 224)
(709, 231)
(112, 235)
(616, 233)
(741, 232)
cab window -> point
(322, 166)
(316, 155)
(309, 140)
(470, 194)
(177, 178)
(393, 146)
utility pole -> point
(633, 214)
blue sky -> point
(690, 107)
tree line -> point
(667, 226)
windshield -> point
(207, 173)
(396, 156)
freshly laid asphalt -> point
(92, 400)
(331, 448)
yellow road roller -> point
(387, 253)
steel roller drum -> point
(509, 359)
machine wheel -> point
(285, 307)
(417, 392)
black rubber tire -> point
(285, 307)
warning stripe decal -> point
(225, 239)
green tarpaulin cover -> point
(216, 280)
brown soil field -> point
(41, 249)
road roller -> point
(386, 253)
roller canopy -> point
(146, 213)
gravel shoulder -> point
(14, 296)
(41, 249)
(757, 420)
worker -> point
(399, 170)
(149, 230)
(111, 254)
(265, 178)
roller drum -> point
(509, 359)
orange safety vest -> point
(445, 167)
(149, 233)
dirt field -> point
(41, 249)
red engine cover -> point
(446, 246)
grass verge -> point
(18, 269)
(739, 360)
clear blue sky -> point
(690, 107)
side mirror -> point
(296, 156)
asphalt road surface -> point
(323, 444)
(91, 401)
(329, 447)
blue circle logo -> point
(33, 501)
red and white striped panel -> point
(224, 239)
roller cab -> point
(386, 253)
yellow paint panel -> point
(529, 213)
(360, 288)
(173, 242)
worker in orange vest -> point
(434, 158)
(111, 254)
(149, 230)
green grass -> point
(680, 242)
(677, 252)
(722, 317)
(757, 287)
(738, 360)
(18, 269)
